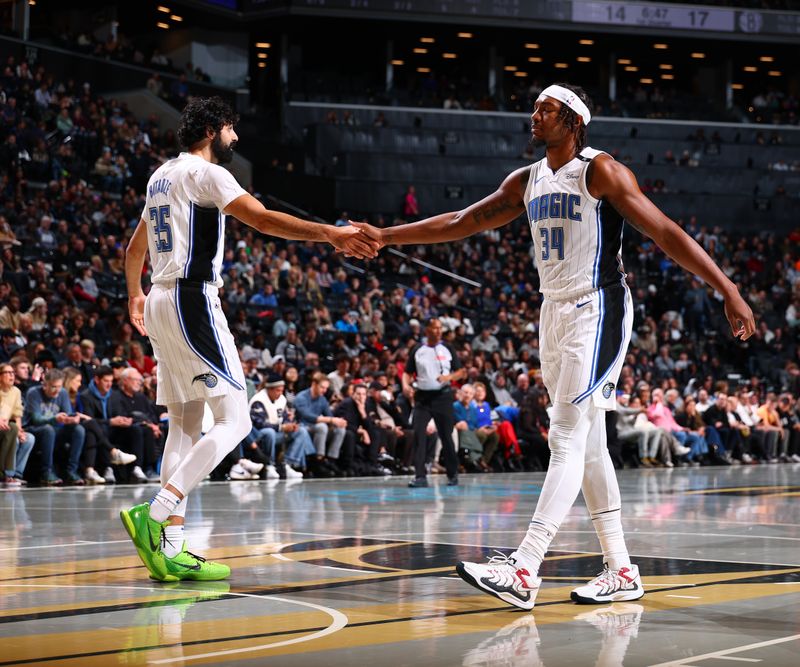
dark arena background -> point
(388, 111)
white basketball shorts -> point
(583, 343)
(196, 354)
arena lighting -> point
(164, 26)
(398, 62)
(668, 77)
(176, 18)
(262, 65)
(584, 59)
(586, 42)
(534, 59)
(665, 66)
(645, 81)
(767, 59)
(465, 35)
(531, 45)
(427, 40)
(698, 55)
(449, 56)
(166, 10)
(423, 70)
(750, 68)
(624, 61)
(263, 45)
(261, 55)
(32, 3)
(774, 72)
(420, 50)
(520, 74)
(737, 86)
(510, 68)
(660, 46)
(631, 68)
(561, 65)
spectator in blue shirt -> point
(50, 417)
(471, 435)
(487, 430)
(348, 322)
(265, 298)
(314, 412)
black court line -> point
(363, 624)
(350, 542)
(283, 590)
(297, 588)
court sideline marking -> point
(340, 620)
(722, 654)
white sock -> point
(534, 545)
(163, 505)
(612, 540)
(173, 540)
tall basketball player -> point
(183, 228)
(576, 199)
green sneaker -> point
(187, 566)
(146, 536)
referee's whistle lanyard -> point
(446, 385)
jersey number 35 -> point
(162, 228)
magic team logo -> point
(208, 379)
(608, 388)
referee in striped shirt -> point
(435, 365)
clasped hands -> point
(359, 240)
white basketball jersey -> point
(577, 238)
(185, 198)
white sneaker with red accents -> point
(514, 645)
(610, 586)
(504, 578)
(618, 620)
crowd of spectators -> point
(454, 90)
(331, 340)
(774, 106)
(120, 47)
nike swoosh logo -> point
(153, 547)
(189, 567)
(539, 179)
(508, 589)
(581, 305)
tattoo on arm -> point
(489, 211)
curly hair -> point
(571, 119)
(202, 114)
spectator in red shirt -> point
(139, 360)
(410, 205)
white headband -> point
(566, 96)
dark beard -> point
(222, 154)
(537, 143)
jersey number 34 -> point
(552, 239)
(162, 228)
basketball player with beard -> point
(183, 228)
(576, 199)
